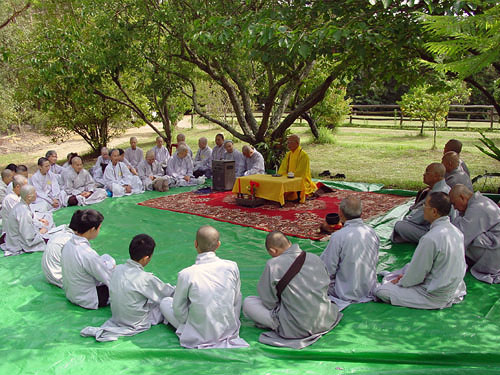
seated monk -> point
(297, 161)
(479, 221)
(456, 145)
(454, 174)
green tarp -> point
(40, 328)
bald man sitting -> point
(414, 226)
(79, 185)
(254, 161)
(21, 233)
(161, 153)
(454, 174)
(293, 296)
(434, 277)
(7, 176)
(297, 161)
(11, 200)
(180, 168)
(233, 154)
(152, 173)
(118, 178)
(202, 164)
(181, 139)
(134, 154)
(351, 257)
(479, 221)
(456, 146)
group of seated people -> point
(300, 295)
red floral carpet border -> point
(294, 219)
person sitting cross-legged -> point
(119, 179)
(456, 146)
(180, 168)
(254, 161)
(202, 164)
(454, 174)
(152, 174)
(79, 185)
(434, 277)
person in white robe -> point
(303, 312)
(218, 151)
(206, 306)
(152, 174)
(86, 275)
(134, 154)
(479, 221)
(21, 233)
(254, 161)
(51, 258)
(124, 160)
(180, 168)
(118, 178)
(181, 139)
(434, 277)
(161, 153)
(49, 194)
(97, 171)
(454, 174)
(456, 146)
(414, 226)
(6, 178)
(135, 295)
(202, 164)
(351, 257)
(55, 168)
(12, 199)
(79, 185)
(237, 156)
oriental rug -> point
(294, 219)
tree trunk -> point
(312, 124)
(422, 128)
(435, 133)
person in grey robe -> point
(254, 161)
(79, 185)
(304, 313)
(97, 171)
(134, 154)
(51, 258)
(161, 153)
(202, 164)
(55, 168)
(5, 180)
(454, 174)
(434, 277)
(234, 154)
(86, 275)
(218, 150)
(180, 168)
(456, 146)
(49, 194)
(135, 295)
(152, 174)
(118, 178)
(351, 257)
(206, 306)
(479, 221)
(181, 139)
(21, 233)
(12, 199)
(414, 226)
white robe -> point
(351, 259)
(47, 189)
(51, 258)
(254, 164)
(239, 161)
(77, 183)
(8, 203)
(96, 170)
(134, 157)
(135, 303)
(480, 225)
(218, 152)
(83, 270)
(207, 304)
(203, 159)
(161, 155)
(178, 168)
(146, 171)
(305, 312)
(458, 176)
(116, 176)
(434, 277)
(3, 191)
(21, 233)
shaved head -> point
(450, 160)
(150, 153)
(277, 240)
(207, 238)
(436, 168)
(7, 175)
(27, 191)
(181, 138)
(19, 180)
(351, 207)
(460, 190)
(453, 145)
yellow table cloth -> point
(270, 188)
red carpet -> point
(294, 219)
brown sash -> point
(290, 274)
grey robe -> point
(254, 164)
(77, 183)
(83, 270)
(134, 157)
(135, 297)
(239, 161)
(458, 176)
(218, 152)
(161, 155)
(207, 304)
(351, 260)
(414, 226)
(8, 203)
(22, 235)
(305, 312)
(116, 176)
(203, 159)
(463, 166)
(480, 225)
(178, 168)
(146, 170)
(3, 191)
(47, 189)
(434, 277)
(51, 258)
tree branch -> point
(15, 15)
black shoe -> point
(325, 174)
(339, 175)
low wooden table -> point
(270, 188)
